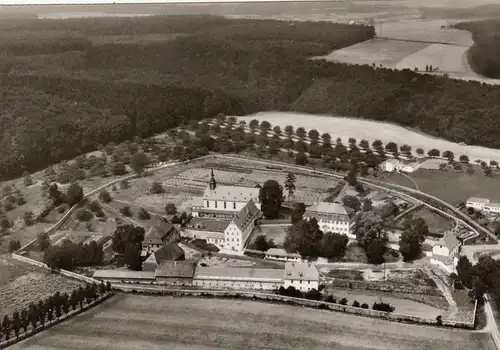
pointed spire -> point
(213, 183)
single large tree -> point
(271, 197)
(139, 162)
(304, 237)
(74, 194)
(410, 242)
(127, 241)
(290, 183)
(334, 245)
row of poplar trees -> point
(36, 315)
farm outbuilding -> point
(124, 276)
(238, 278)
(282, 255)
(169, 252)
(178, 273)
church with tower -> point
(224, 202)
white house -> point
(331, 217)
(224, 201)
(392, 164)
(477, 203)
(282, 255)
(238, 278)
(483, 204)
(302, 276)
(448, 246)
(239, 229)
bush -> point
(383, 307)
(83, 214)
(439, 320)
(20, 201)
(62, 208)
(313, 294)
(105, 197)
(157, 188)
(143, 214)
(14, 245)
(343, 301)
(94, 206)
(364, 306)
(126, 211)
(355, 303)
(330, 299)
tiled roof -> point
(246, 215)
(184, 269)
(246, 274)
(282, 252)
(301, 271)
(124, 274)
(327, 208)
(170, 251)
(232, 193)
(157, 233)
(449, 240)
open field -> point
(435, 222)
(447, 58)
(21, 284)
(388, 53)
(450, 186)
(371, 130)
(132, 322)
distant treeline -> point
(225, 66)
(484, 55)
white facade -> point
(448, 246)
(391, 165)
(282, 255)
(477, 203)
(302, 276)
(216, 240)
(331, 217)
(224, 201)
(238, 278)
(233, 238)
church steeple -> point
(213, 184)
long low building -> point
(301, 275)
(238, 278)
(281, 255)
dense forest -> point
(100, 91)
(484, 55)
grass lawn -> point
(450, 186)
(276, 233)
(127, 322)
(354, 275)
(403, 306)
(435, 222)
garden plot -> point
(435, 222)
(387, 53)
(33, 287)
(447, 58)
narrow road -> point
(446, 292)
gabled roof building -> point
(239, 229)
(158, 236)
(331, 217)
(221, 201)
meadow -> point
(132, 322)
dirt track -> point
(141, 322)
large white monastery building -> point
(224, 201)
